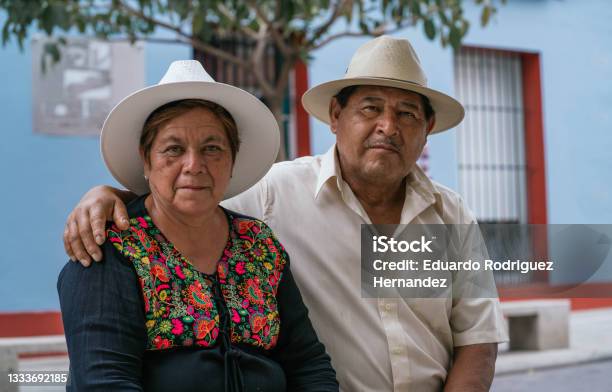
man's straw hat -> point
(389, 62)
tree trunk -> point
(275, 105)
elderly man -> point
(381, 113)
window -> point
(501, 148)
(491, 139)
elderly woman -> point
(191, 296)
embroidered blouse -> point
(146, 318)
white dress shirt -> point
(375, 344)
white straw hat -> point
(390, 62)
(257, 127)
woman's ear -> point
(146, 163)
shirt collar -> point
(330, 167)
(416, 180)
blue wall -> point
(44, 176)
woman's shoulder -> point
(254, 235)
(237, 218)
(135, 241)
(245, 225)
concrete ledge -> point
(11, 348)
(590, 341)
(34, 344)
(538, 324)
(519, 362)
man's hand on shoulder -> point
(85, 226)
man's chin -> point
(383, 171)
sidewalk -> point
(590, 340)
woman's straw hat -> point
(257, 127)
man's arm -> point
(88, 220)
(473, 368)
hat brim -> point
(449, 112)
(257, 129)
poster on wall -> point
(73, 96)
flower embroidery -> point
(240, 268)
(159, 271)
(198, 298)
(203, 327)
(252, 291)
(259, 252)
(258, 321)
(178, 299)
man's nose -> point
(387, 123)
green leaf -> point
(5, 33)
(416, 8)
(454, 37)
(430, 29)
(198, 22)
(484, 17)
(443, 17)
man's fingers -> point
(97, 219)
(78, 249)
(120, 215)
(84, 223)
(66, 238)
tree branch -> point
(278, 39)
(319, 31)
(374, 33)
(228, 14)
(256, 61)
(283, 78)
(196, 43)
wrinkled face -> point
(190, 163)
(380, 133)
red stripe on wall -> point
(534, 139)
(21, 324)
(576, 303)
(583, 296)
(301, 116)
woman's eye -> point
(173, 150)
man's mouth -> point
(384, 146)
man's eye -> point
(212, 148)
(370, 109)
(407, 114)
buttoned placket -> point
(387, 310)
(416, 201)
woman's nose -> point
(194, 162)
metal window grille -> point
(226, 72)
(491, 138)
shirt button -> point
(388, 307)
(397, 351)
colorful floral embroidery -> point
(179, 303)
